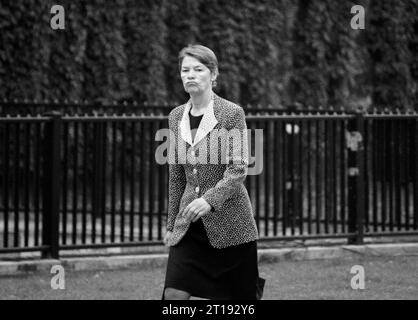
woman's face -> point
(196, 77)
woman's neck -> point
(200, 102)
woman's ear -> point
(213, 79)
(214, 74)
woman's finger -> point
(190, 213)
(186, 211)
(196, 217)
(194, 214)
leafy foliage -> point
(275, 52)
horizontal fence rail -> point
(77, 108)
(85, 181)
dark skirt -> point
(203, 271)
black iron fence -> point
(79, 108)
(69, 181)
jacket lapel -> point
(206, 125)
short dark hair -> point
(201, 53)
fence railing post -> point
(356, 200)
(98, 160)
(51, 186)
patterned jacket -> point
(204, 168)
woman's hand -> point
(167, 237)
(196, 209)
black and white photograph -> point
(230, 152)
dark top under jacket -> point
(198, 268)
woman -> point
(211, 230)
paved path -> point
(291, 273)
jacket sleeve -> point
(237, 167)
(176, 180)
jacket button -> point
(197, 189)
(194, 170)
